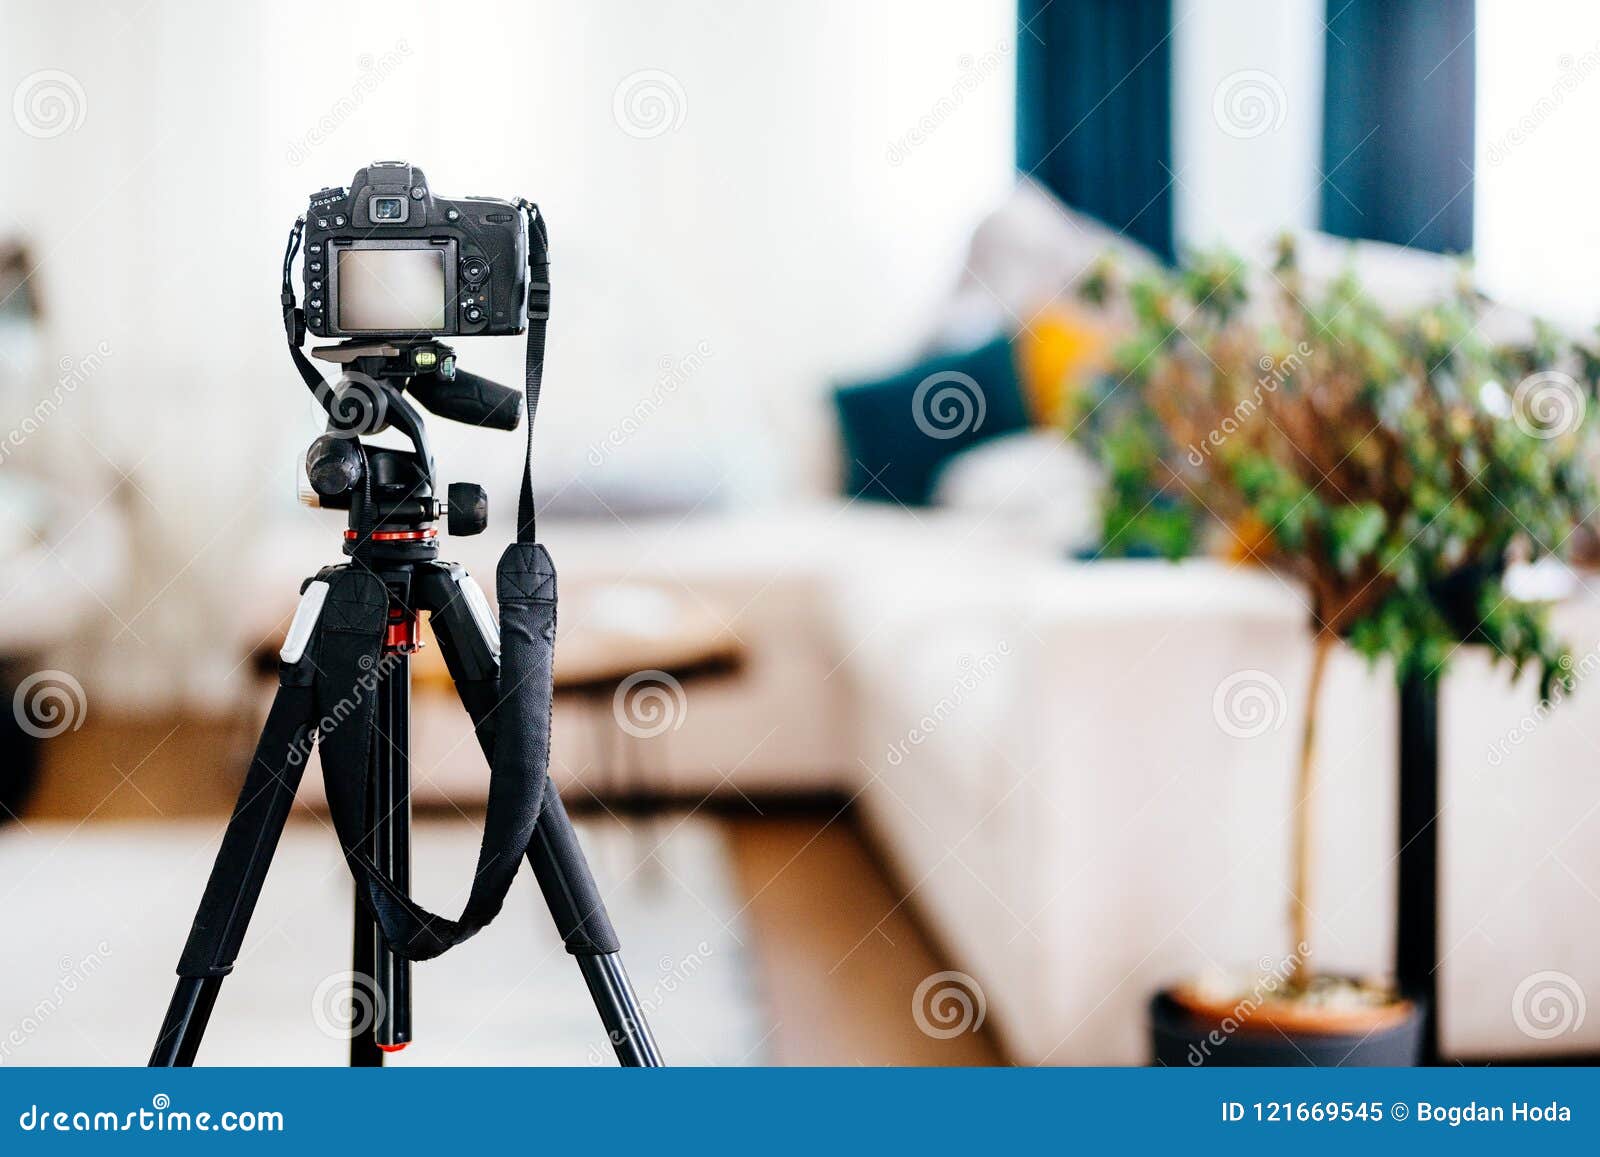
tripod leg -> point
(580, 915)
(390, 809)
(236, 877)
(462, 626)
(364, 1050)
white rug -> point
(92, 919)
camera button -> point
(453, 215)
(322, 222)
(474, 314)
(339, 220)
(314, 247)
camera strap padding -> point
(349, 661)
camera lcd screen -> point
(391, 290)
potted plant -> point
(1395, 465)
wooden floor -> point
(840, 954)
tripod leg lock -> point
(304, 624)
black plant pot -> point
(1181, 1038)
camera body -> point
(386, 258)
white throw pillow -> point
(1029, 251)
(1036, 482)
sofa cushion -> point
(898, 431)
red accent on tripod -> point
(395, 535)
(402, 633)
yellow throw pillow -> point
(1058, 353)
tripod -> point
(345, 683)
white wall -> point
(1538, 99)
(1247, 119)
(767, 224)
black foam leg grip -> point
(252, 836)
(568, 885)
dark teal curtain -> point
(1397, 142)
(1094, 109)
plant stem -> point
(1299, 977)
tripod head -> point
(391, 493)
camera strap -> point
(329, 690)
(533, 378)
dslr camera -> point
(385, 257)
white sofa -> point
(1035, 744)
